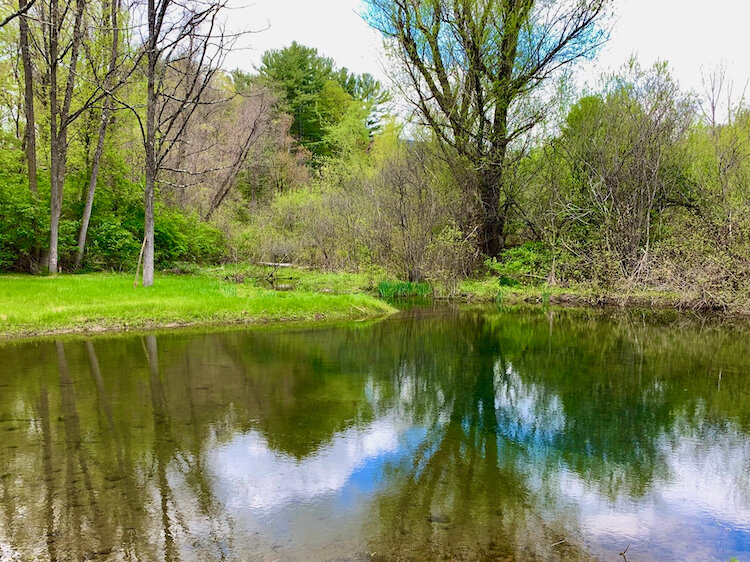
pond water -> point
(474, 434)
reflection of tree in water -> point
(107, 461)
(624, 391)
(105, 444)
(599, 398)
(464, 494)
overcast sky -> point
(690, 34)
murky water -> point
(471, 435)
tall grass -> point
(403, 289)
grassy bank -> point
(31, 306)
(489, 290)
(99, 302)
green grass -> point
(71, 303)
(403, 289)
(490, 289)
(301, 279)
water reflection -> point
(474, 435)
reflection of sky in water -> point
(318, 502)
(701, 511)
(253, 476)
(703, 508)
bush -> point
(529, 262)
(449, 258)
(24, 222)
(111, 246)
(179, 237)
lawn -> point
(32, 305)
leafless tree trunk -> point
(152, 56)
(28, 99)
(184, 49)
(110, 20)
(60, 115)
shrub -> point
(179, 237)
(529, 262)
(111, 246)
(449, 258)
(24, 220)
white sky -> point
(690, 34)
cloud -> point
(249, 474)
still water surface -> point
(441, 435)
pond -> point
(435, 434)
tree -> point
(28, 98)
(621, 162)
(184, 49)
(255, 120)
(61, 45)
(111, 11)
(471, 65)
(317, 95)
(722, 156)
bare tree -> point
(111, 24)
(185, 45)
(471, 67)
(59, 45)
(28, 98)
(728, 120)
(255, 117)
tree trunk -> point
(54, 152)
(148, 251)
(55, 204)
(28, 100)
(150, 171)
(493, 219)
(110, 19)
(59, 120)
(92, 184)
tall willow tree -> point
(470, 67)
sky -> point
(691, 35)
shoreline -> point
(38, 307)
(125, 329)
(62, 305)
(591, 297)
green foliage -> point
(111, 246)
(180, 237)
(24, 219)
(403, 289)
(317, 95)
(528, 263)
